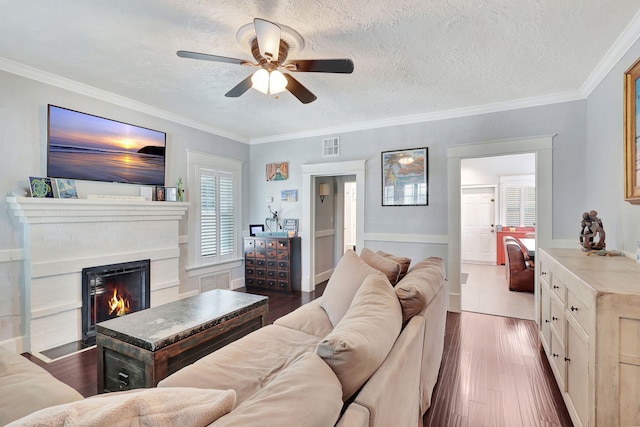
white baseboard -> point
(319, 278)
(237, 283)
(455, 303)
(15, 345)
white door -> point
(478, 231)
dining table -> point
(530, 245)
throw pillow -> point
(389, 267)
(419, 286)
(343, 284)
(307, 379)
(403, 261)
(148, 407)
(359, 344)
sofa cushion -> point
(419, 286)
(246, 365)
(363, 338)
(147, 407)
(403, 261)
(309, 318)
(306, 393)
(343, 284)
(389, 267)
(26, 387)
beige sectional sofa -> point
(384, 344)
(366, 353)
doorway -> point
(542, 147)
(307, 232)
(488, 198)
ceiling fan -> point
(269, 47)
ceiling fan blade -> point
(299, 91)
(268, 35)
(321, 65)
(206, 57)
(240, 88)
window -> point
(518, 201)
(218, 215)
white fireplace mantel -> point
(63, 236)
(34, 210)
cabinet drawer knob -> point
(555, 355)
(566, 359)
(547, 321)
(554, 318)
(544, 273)
(574, 308)
(556, 287)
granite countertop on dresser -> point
(160, 326)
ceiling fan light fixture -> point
(269, 83)
(277, 82)
(260, 81)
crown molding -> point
(428, 117)
(620, 47)
(103, 95)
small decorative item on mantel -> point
(180, 190)
(40, 187)
(170, 194)
(159, 194)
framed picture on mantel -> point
(632, 134)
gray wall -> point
(23, 130)
(389, 227)
(604, 159)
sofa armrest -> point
(396, 384)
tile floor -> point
(486, 291)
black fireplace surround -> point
(109, 291)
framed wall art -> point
(405, 177)
(277, 171)
(632, 134)
(289, 195)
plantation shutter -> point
(217, 214)
(519, 205)
(227, 217)
(208, 215)
(512, 203)
(529, 206)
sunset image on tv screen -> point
(87, 147)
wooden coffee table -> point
(140, 349)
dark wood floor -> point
(492, 372)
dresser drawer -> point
(261, 262)
(557, 319)
(579, 311)
(558, 286)
(283, 254)
(283, 265)
(557, 358)
(249, 244)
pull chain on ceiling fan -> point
(270, 47)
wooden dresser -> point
(590, 330)
(272, 263)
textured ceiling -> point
(412, 57)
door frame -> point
(309, 200)
(542, 147)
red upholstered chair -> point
(520, 269)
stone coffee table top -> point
(160, 326)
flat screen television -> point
(86, 147)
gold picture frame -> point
(632, 134)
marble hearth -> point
(63, 236)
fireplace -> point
(109, 291)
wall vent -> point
(331, 147)
(215, 281)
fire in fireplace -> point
(109, 291)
